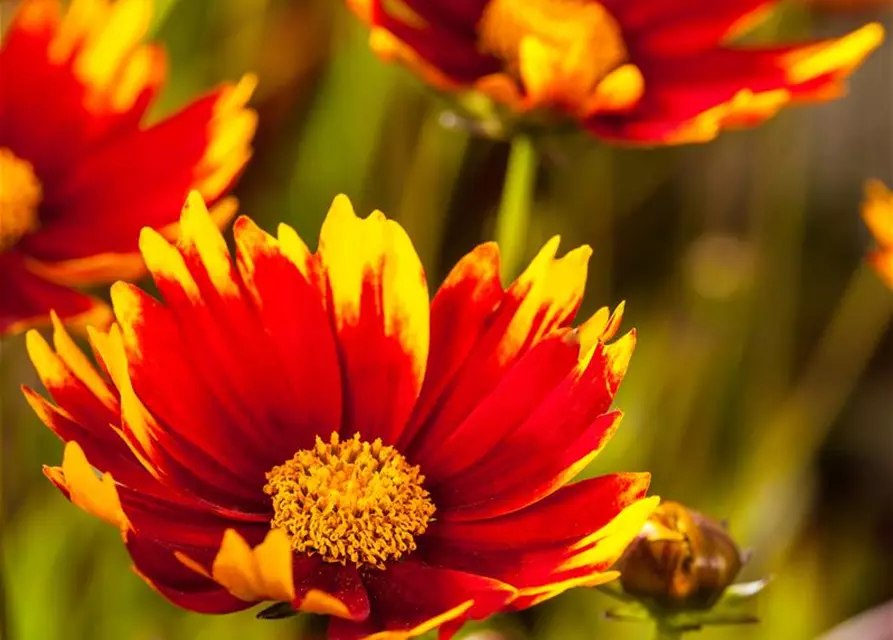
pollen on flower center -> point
(350, 501)
(20, 195)
(582, 34)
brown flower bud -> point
(682, 560)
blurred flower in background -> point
(849, 5)
(877, 211)
(79, 173)
(645, 72)
(239, 471)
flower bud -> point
(682, 560)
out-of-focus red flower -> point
(310, 428)
(877, 211)
(636, 71)
(80, 174)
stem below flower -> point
(665, 632)
(513, 219)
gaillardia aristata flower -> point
(309, 428)
(635, 71)
(79, 174)
(877, 211)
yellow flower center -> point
(576, 42)
(350, 501)
(20, 195)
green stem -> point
(665, 632)
(513, 219)
(802, 423)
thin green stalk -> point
(513, 219)
(799, 427)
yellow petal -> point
(86, 490)
(262, 573)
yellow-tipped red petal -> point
(380, 310)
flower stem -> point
(665, 632)
(802, 422)
(513, 219)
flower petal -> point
(410, 598)
(380, 310)
(459, 313)
(499, 414)
(514, 475)
(291, 311)
(543, 298)
(568, 515)
(261, 573)
(28, 299)
(83, 487)
(182, 586)
(178, 395)
(329, 589)
(82, 203)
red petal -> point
(175, 518)
(515, 474)
(230, 348)
(447, 40)
(506, 409)
(522, 476)
(159, 163)
(322, 581)
(545, 543)
(464, 302)
(545, 297)
(184, 587)
(302, 343)
(571, 513)
(104, 453)
(378, 303)
(190, 414)
(409, 593)
(28, 299)
(58, 137)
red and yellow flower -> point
(308, 428)
(634, 71)
(79, 174)
(877, 211)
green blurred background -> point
(762, 387)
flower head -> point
(635, 71)
(877, 211)
(309, 428)
(79, 173)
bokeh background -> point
(762, 388)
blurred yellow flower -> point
(80, 174)
(635, 71)
(312, 429)
(877, 211)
